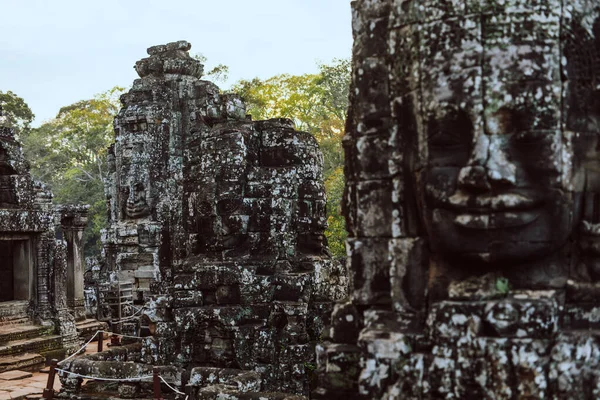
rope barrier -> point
(126, 336)
(134, 307)
(172, 388)
(133, 316)
(135, 379)
(127, 319)
(49, 391)
(82, 348)
(92, 338)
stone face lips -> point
(218, 221)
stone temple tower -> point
(218, 221)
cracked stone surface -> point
(471, 202)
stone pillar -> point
(73, 221)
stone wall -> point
(35, 261)
(471, 204)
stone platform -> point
(27, 346)
(23, 344)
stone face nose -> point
(500, 169)
(131, 195)
(474, 178)
(488, 166)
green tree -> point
(317, 103)
(336, 225)
(16, 111)
(219, 73)
(69, 153)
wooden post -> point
(188, 391)
(115, 340)
(49, 391)
(156, 382)
(100, 341)
(119, 309)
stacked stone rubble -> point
(218, 221)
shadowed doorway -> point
(15, 269)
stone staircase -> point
(88, 328)
(24, 345)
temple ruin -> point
(41, 285)
(216, 228)
(471, 201)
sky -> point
(57, 52)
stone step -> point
(88, 328)
(25, 362)
(43, 344)
(14, 332)
(13, 312)
(14, 375)
(16, 321)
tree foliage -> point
(16, 111)
(69, 153)
(336, 225)
(317, 103)
(219, 73)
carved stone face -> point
(135, 204)
(133, 174)
(498, 178)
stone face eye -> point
(507, 121)
(450, 139)
(445, 140)
(453, 131)
(531, 137)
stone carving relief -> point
(471, 202)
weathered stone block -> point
(374, 221)
(345, 324)
(369, 270)
(342, 368)
(455, 319)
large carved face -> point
(499, 120)
(133, 179)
